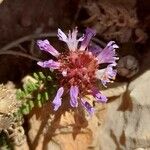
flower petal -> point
(95, 49)
(87, 106)
(71, 40)
(61, 35)
(46, 46)
(108, 55)
(106, 75)
(88, 35)
(74, 91)
(58, 100)
(49, 64)
(99, 96)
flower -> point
(108, 55)
(49, 64)
(45, 46)
(99, 97)
(87, 106)
(57, 100)
(106, 75)
(78, 68)
(74, 91)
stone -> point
(127, 119)
(69, 130)
(127, 66)
(138, 130)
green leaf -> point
(41, 75)
(46, 96)
(39, 103)
(25, 89)
(39, 96)
(31, 104)
(34, 86)
(25, 109)
(49, 78)
(35, 76)
(18, 94)
(36, 94)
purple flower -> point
(108, 55)
(49, 64)
(45, 46)
(87, 106)
(78, 69)
(88, 35)
(95, 49)
(99, 96)
(57, 100)
(106, 75)
(74, 91)
(71, 40)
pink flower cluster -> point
(79, 68)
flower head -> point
(79, 68)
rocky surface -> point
(137, 131)
(128, 119)
(68, 131)
(127, 66)
(122, 124)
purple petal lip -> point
(99, 96)
(74, 91)
(108, 55)
(71, 40)
(95, 49)
(87, 106)
(109, 74)
(58, 100)
(49, 64)
(88, 35)
(46, 46)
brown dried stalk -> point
(6, 50)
